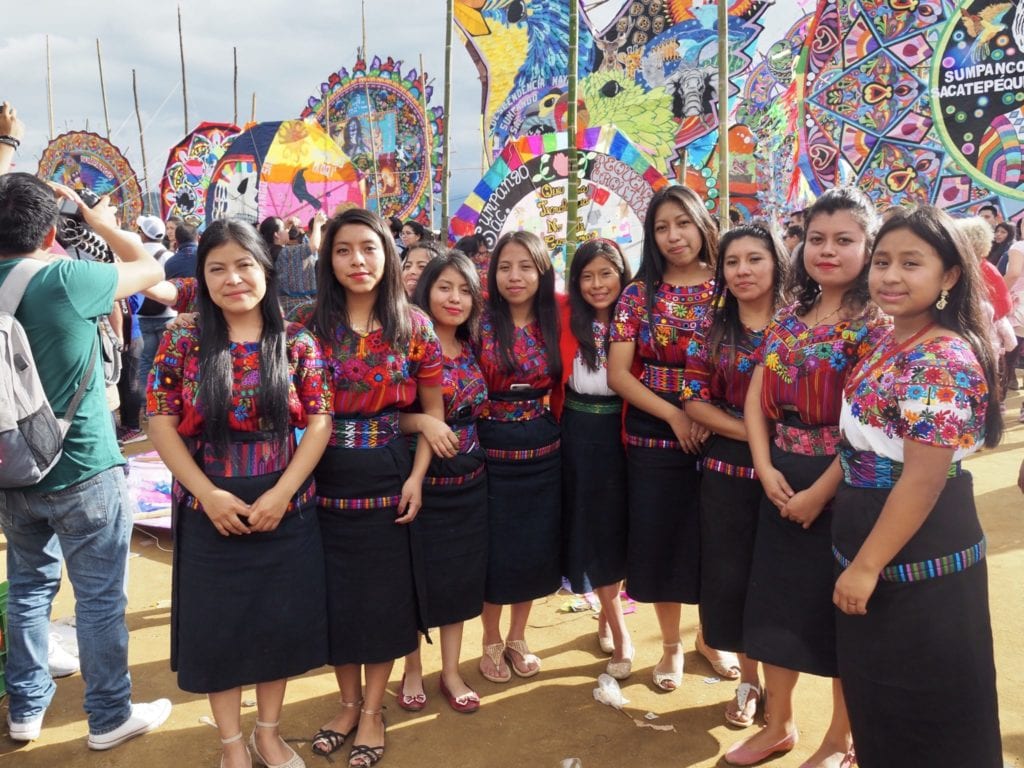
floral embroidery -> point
(370, 375)
(174, 381)
(464, 389)
(727, 382)
(188, 294)
(933, 393)
(678, 309)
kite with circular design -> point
(190, 165)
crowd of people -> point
(403, 442)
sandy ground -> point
(538, 722)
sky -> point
(285, 50)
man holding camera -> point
(81, 508)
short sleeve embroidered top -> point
(174, 381)
(805, 368)
(723, 382)
(678, 309)
(933, 393)
(528, 353)
(369, 375)
(463, 387)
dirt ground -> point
(538, 722)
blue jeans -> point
(152, 330)
(91, 524)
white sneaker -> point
(25, 731)
(61, 662)
(144, 718)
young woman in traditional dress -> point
(919, 683)
(451, 529)
(594, 501)
(520, 361)
(749, 279)
(794, 397)
(382, 355)
(224, 400)
(651, 329)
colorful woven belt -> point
(663, 378)
(495, 454)
(365, 432)
(807, 441)
(467, 438)
(513, 410)
(725, 468)
(374, 502)
(650, 442)
(863, 469)
(603, 407)
(244, 458)
(926, 569)
(455, 479)
(307, 494)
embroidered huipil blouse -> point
(465, 393)
(370, 375)
(585, 381)
(805, 368)
(531, 369)
(174, 381)
(934, 393)
(725, 381)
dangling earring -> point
(942, 302)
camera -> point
(77, 237)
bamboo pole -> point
(429, 144)
(49, 86)
(446, 136)
(142, 146)
(723, 114)
(362, 4)
(184, 82)
(103, 88)
(235, 82)
(572, 190)
(252, 117)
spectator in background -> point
(990, 214)
(183, 262)
(11, 133)
(793, 237)
(412, 233)
(171, 226)
(152, 315)
(395, 225)
(81, 508)
(475, 247)
(294, 263)
(1001, 242)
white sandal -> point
(232, 740)
(669, 681)
(292, 762)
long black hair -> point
(581, 314)
(268, 229)
(652, 260)
(469, 331)
(803, 287)
(726, 328)
(214, 395)
(391, 309)
(544, 306)
(962, 313)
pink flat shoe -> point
(741, 754)
(414, 703)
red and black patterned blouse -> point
(723, 382)
(531, 366)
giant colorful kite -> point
(289, 168)
(83, 160)
(525, 188)
(651, 73)
(190, 165)
(376, 114)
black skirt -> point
(524, 515)
(250, 608)
(663, 556)
(450, 532)
(372, 603)
(917, 670)
(594, 501)
(789, 619)
(728, 525)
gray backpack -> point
(31, 436)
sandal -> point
(669, 681)
(725, 664)
(232, 740)
(363, 756)
(293, 761)
(530, 660)
(326, 741)
(742, 710)
(495, 652)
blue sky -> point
(285, 50)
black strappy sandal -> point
(363, 756)
(332, 741)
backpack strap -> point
(13, 288)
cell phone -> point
(519, 387)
